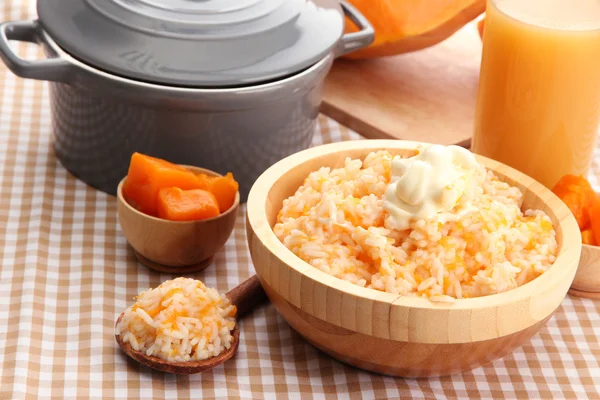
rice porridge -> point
(180, 320)
(436, 225)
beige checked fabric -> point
(66, 273)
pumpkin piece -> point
(204, 180)
(175, 204)
(480, 26)
(587, 237)
(578, 195)
(402, 26)
(225, 189)
(147, 175)
(595, 219)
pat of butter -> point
(434, 182)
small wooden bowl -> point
(176, 247)
(587, 279)
(390, 334)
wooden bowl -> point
(176, 247)
(587, 279)
(387, 333)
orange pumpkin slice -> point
(224, 188)
(595, 220)
(175, 204)
(578, 195)
(147, 175)
(587, 237)
(402, 26)
(480, 27)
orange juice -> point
(538, 106)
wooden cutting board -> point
(427, 95)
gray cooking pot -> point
(228, 85)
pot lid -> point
(199, 43)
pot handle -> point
(355, 40)
(52, 69)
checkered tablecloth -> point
(66, 272)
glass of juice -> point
(538, 106)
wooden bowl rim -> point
(258, 221)
(231, 209)
(589, 247)
(585, 283)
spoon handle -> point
(247, 296)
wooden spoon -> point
(245, 297)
